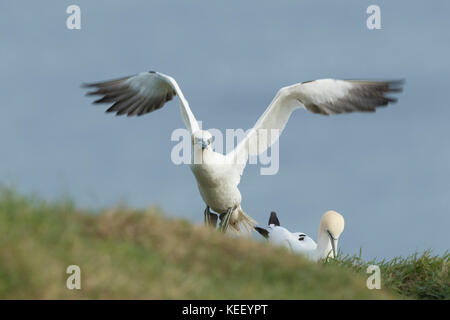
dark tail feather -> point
(262, 232)
(274, 219)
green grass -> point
(419, 276)
(131, 254)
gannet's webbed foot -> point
(225, 220)
(210, 218)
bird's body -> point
(218, 191)
(216, 183)
(282, 237)
(330, 229)
(218, 175)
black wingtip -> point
(262, 232)
(274, 219)
(396, 85)
(85, 85)
(400, 81)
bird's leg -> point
(206, 213)
(225, 220)
(210, 218)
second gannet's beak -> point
(333, 243)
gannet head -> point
(331, 226)
(203, 139)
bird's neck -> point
(324, 247)
(202, 156)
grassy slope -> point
(423, 276)
(130, 254)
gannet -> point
(218, 175)
(330, 228)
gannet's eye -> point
(301, 237)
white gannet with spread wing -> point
(218, 175)
(330, 229)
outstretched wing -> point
(141, 94)
(325, 96)
(329, 96)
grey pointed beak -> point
(333, 243)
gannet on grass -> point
(218, 175)
(330, 229)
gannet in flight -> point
(218, 175)
(330, 229)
